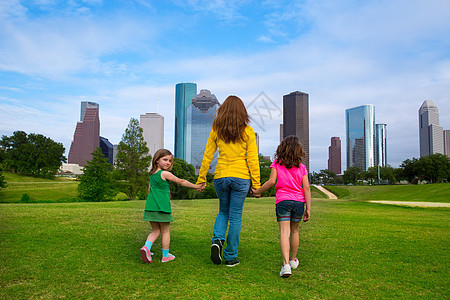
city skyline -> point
(431, 135)
(128, 56)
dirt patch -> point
(420, 204)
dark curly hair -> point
(290, 152)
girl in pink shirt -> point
(292, 194)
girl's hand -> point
(306, 215)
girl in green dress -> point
(157, 208)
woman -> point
(237, 169)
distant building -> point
(360, 129)
(107, 149)
(334, 155)
(296, 119)
(184, 92)
(199, 118)
(152, 125)
(257, 141)
(431, 135)
(115, 153)
(86, 137)
(447, 142)
(380, 145)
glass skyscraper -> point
(380, 145)
(360, 127)
(199, 118)
(184, 92)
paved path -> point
(420, 204)
(329, 194)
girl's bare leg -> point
(156, 231)
(165, 231)
(294, 239)
(285, 231)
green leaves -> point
(96, 182)
(32, 154)
(132, 161)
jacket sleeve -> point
(253, 159)
(210, 149)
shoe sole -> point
(233, 265)
(145, 258)
(215, 254)
(286, 275)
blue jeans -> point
(232, 192)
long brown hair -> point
(290, 152)
(231, 120)
(160, 153)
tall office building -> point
(296, 119)
(184, 92)
(152, 125)
(431, 135)
(334, 155)
(380, 145)
(447, 142)
(199, 118)
(86, 137)
(360, 128)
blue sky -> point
(128, 55)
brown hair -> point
(160, 153)
(231, 120)
(290, 152)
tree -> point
(133, 161)
(352, 174)
(96, 182)
(2, 179)
(32, 154)
(433, 168)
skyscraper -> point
(447, 142)
(199, 118)
(296, 119)
(334, 155)
(360, 128)
(86, 137)
(431, 135)
(380, 145)
(152, 125)
(184, 92)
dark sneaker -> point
(216, 252)
(232, 263)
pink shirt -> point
(289, 182)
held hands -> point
(200, 187)
(256, 193)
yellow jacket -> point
(235, 159)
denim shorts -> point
(290, 210)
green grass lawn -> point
(439, 192)
(349, 249)
(59, 189)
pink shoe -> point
(146, 255)
(168, 258)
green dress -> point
(157, 207)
